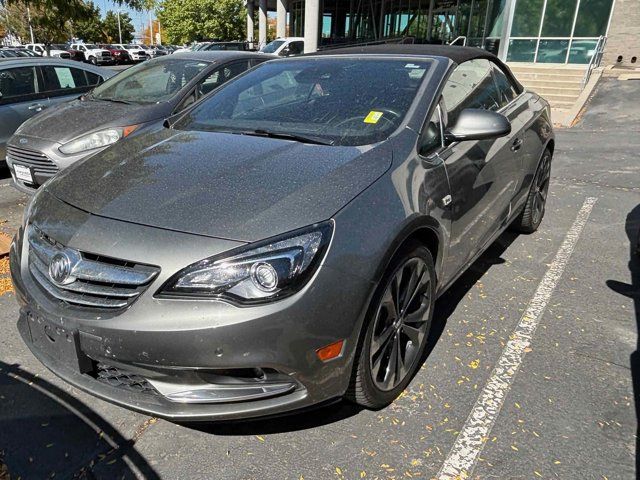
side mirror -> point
(285, 51)
(476, 124)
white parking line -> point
(462, 458)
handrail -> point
(464, 40)
(595, 60)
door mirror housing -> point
(477, 124)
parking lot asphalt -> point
(562, 403)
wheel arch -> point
(425, 230)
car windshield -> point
(58, 46)
(90, 46)
(151, 82)
(131, 46)
(340, 101)
(272, 47)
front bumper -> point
(171, 343)
(41, 172)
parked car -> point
(240, 46)
(285, 47)
(94, 54)
(11, 53)
(193, 47)
(30, 85)
(137, 98)
(282, 242)
(41, 49)
(16, 52)
(136, 52)
(156, 51)
(76, 55)
(120, 55)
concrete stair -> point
(559, 84)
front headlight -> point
(258, 272)
(95, 140)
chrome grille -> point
(92, 281)
(38, 161)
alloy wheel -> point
(541, 188)
(400, 324)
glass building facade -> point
(557, 31)
(550, 31)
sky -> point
(137, 17)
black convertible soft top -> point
(457, 54)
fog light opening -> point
(331, 351)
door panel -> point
(484, 175)
(20, 101)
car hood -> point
(67, 121)
(220, 185)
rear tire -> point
(534, 208)
(396, 329)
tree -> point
(187, 20)
(110, 27)
(89, 28)
(53, 20)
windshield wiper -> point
(114, 100)
(287, 136)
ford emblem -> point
(23, 141)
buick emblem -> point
(23, 141)
(60, 268)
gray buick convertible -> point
(281, 243)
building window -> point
(593, 17)
(557, 31)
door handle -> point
(37, 107)
(516, 145)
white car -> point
(136, 52)
(41, 50)
(94, 54)
(285, 47)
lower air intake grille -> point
(117, 377)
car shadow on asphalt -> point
(341, 409)
(4, 172)
(632, 290)
(44, 431)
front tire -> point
(397, 328)
(534, 208)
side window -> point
(431, 139)
(504, 85)
(220, 76)
(93, 79)
(59, 81)
(296, 48)
(470, 85)
(18, 84)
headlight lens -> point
(95, 140)
(258, 272)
